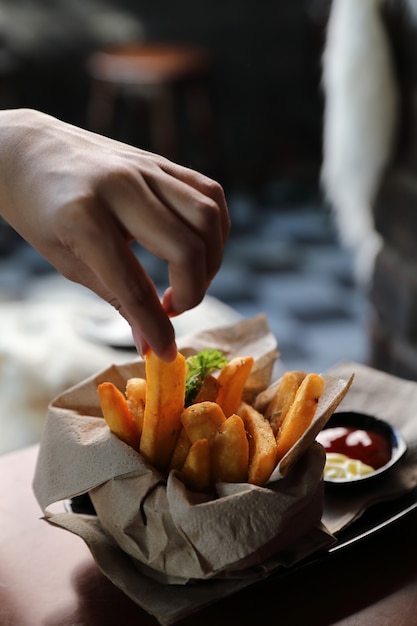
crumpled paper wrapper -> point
(170, 534)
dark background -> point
(264, 84)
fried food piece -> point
(232, 379)
(181, 450)
(262, 444)
(230, 452)
(164, 405)
(117, 414)
(300, 414)
(266, 396)
(278, 408)
(202, 420)
(208, 390)
(199, 366)
(136, 398)
(196, 471)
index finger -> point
(205, 185)
(173, 221)
(105, 262)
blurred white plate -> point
(110, 329)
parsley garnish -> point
(198, 366)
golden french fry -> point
(230, 452)
(266, 396)
(283, 399)
(196, 471)
(300, 414)
(208, 390)
(202, 420)
(164, 405)
(117, 414)
(300, 375)
(262, 444)
(181, 450)
(232, 379)
(136, 398)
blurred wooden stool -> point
(153, 76)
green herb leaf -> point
(198, 366)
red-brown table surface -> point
(49, 578)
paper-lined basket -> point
(170, 533)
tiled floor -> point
(285, 262)
(290, 265)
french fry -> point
(181, 450)
(232, 379)
(219, 437)
(262, 444)
(283, 399)
(230, 452)
(209, 390)
(265, 397)
(196, 471)
(300, 414)
(117, 414)
(300, 375)
(164, 405)
(136, 398)
(202, 420)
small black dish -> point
(362, 421)
(80, 504)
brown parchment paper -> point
(162, 532)
(394, 400)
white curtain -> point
(361, 119)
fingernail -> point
(170, 353)
(141, 345)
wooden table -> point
(48, 577)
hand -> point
(80, 199)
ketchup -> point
(368, 446)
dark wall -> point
(265, 77)
(264, 84)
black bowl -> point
(368, 422)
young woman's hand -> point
(80, 199)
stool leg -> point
(199, 111)
(201, 119)
(164, 138)
(100, 112)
